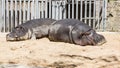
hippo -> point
(75, 32)
(32, 29)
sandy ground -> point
(48, 54)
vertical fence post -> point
(7, 16)
(72, 8)
(90, 17)
(60, 9)
(46, 8)
(11, 10)
(16, 16)
(69, 14)
(42, 9)
(57, 10)
(1, 14)
(28, 10)
(32, 10)
(64, 10)
(20, 11)
(81, 7)
(85, 15)
(50, 4)
(24, 11)
(76, 9)
(105, 14)
(99, 15)
(94, 14)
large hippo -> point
(74, 31)
(31, 29)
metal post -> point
(2, 24)
(20, 12)
(28, 10)
(105, 14)
(46, 8)
(42, 8)
(1, 15)
(69, 10)
(11, 9)
(16, 18)
(7, 16)
(76, 9)
(24, 11)
(81, 7)
(90, 17)
(94, 14)
(32, 10)
(85, 18)
(50, 4)
(72, 8)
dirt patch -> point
(48, 54)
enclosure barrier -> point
(15, 12)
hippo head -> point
(17, 34)
(92, 38)
(99, 39)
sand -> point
(48, 54)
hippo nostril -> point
(7, 35)
(16, 36)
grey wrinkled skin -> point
(32, 29)
(74, 31)
(17, 66)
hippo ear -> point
(23, 28)
(17, 28)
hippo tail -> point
(99, 39)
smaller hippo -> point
(74, 31)
(32, 29)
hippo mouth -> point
(14, 39)
(22, 38)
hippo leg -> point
(33, 37)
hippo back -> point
(61, 29)
(37, 22)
